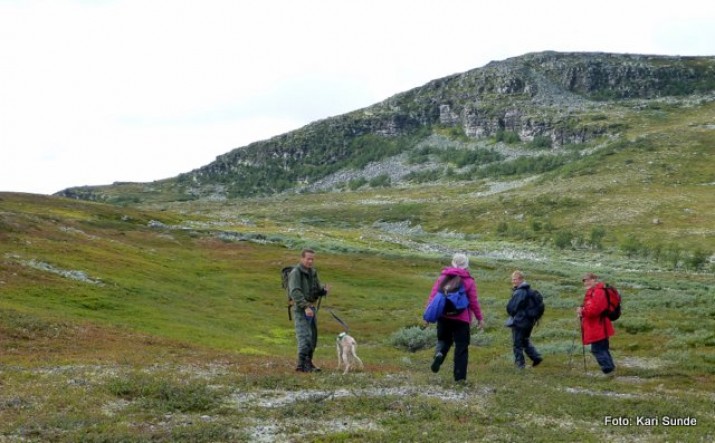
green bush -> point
(419, 156)
(508, 137)
(562, 239)
(381, 181)
(357, 183)
(457, 133)
(502, 228)
(541, 142)
(430, 175)
(482, 339)
(413, 338)
(631, 246)
(697, 260)
(596, 237)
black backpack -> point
(536, 307)
(285, 274)
(613, 300)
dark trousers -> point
(454, 332)
(600, 350)
(522, 343)
(306, 333)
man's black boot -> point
(310, 367)
(309, 363)
(302, 366)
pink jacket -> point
(470, 286)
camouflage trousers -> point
(306, 333)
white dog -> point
(347, 355)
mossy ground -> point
(178, 335)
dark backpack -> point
(285, 273)
(535, 309)
(451, 299)
(455, 295)
(613, 300)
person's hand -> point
(476, 323)
(579, 311)
(327, 289)
(309, 312)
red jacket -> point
(470, 287)
(595, 326)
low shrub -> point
(381, 181)
(164, 394)
(357, 183)
(541, 142)
(636, 325)
(413, 338)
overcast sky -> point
(93, 92)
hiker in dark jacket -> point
(522, 323)
(305, 289)
(455, 328)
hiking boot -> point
(310, 367)
(302, 365)
(536, 362)
(437, 362)
(608, 375)
(602, 375)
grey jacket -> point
(304, 287)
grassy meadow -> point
(168, 323)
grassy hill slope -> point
(120, 324)
(646, 194)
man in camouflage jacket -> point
(305, 289)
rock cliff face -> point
(568, 98)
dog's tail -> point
(347, 329)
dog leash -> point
(338, 320)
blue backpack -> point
(451, 299)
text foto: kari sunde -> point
(664, 420)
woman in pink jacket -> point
(454, 329)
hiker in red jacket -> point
(596, 328)
(454, 329)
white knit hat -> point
(460, 260)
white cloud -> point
(93, 92)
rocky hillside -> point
(545, 100)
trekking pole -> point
(583, 347)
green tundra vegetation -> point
(154, 311)
(126, 324)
